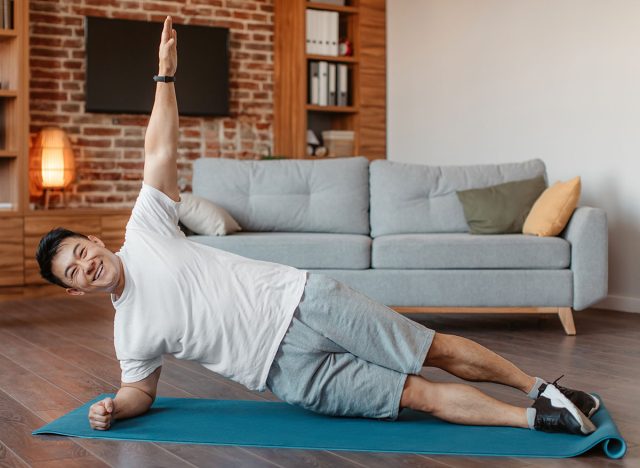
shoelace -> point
(556, 381)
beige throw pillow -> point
(552, 211)
(205, 217)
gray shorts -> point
(345, 354)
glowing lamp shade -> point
(52, 164)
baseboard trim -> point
(621, 303)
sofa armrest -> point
(587, 233)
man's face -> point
(85, 265)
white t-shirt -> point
(196, 302)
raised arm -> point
(161, 139)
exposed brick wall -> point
(109, 147)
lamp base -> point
(47, 194)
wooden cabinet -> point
(363, 23)
(11, 251)
(20, 235)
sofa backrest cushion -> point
(329, 195)
(413, 198)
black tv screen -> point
(122, 57)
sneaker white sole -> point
(595, 408)
(560, 401)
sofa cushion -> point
(461, 288)
(205, 217)
(299, 250)
(411, 198)
(329, 196)
(466, 251)
(551, 212)
(502, 208)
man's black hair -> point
(47, 250)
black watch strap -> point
(164, 78)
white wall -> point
(485, 81)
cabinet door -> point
(11, 252)
(37, 226)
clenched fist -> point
(101, 414)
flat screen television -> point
(122, 57)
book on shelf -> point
(6, 14)
(323, 83)
(328, 83)
(314, 83)
(333, 39)
(6, 206)
(332, 97)
(342, 85)
(310, 32)
(322, 32)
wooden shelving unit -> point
(14, 110)
(363, 23)
(14, 128)
(20, 226)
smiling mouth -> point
(98, 272)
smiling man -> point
(82, 264)
(311, 340)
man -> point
(311, 340)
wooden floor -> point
(57, 353)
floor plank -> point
(56, 353)
(9, 459)
(15, 433)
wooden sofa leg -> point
(566, 318)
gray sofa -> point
(397, 232)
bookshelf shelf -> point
(362, 22)
(329, 7)
(331, 58)
(8, 93)
(343, 109)
(8, 33)
(8, 154)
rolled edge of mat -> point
(614, 447)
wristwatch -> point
(164, 78)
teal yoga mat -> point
(270, 424)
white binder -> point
(323, 95)
(314, 84)
(332, 84)
(343, 84)
(333, 36)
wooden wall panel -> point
(290, 79)
(11, 252)
(373, 82)
(113, 231)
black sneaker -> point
(555, 413)
(585, 402)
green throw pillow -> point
(502, 208)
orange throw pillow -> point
(552, 210)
